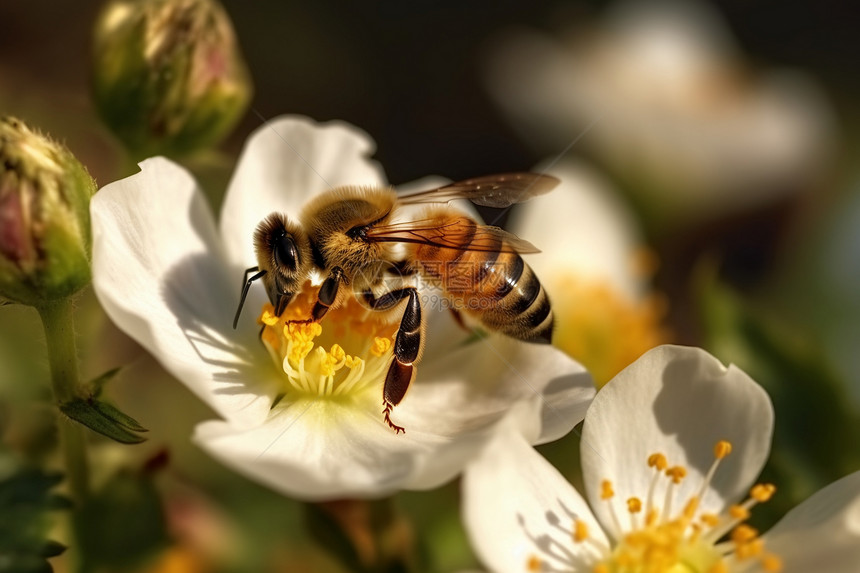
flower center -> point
(338, 358)
(660, 536)
(602, 328)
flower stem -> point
(57, 318)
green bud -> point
(168, 74)
(44, 217)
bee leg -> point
(326, 296)
(407, 347)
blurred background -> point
(729, 130)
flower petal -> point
(581, 227)
(316, 450)
(517, 506)
(286, 162)
(678, 401)
(460, 399)
(159, 274)
(822, 533)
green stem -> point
(57, 318)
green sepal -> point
(105, 419)
(121, 418)
(98, 383)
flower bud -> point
(44, 217)
(168, 74)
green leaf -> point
(105, 419)
(25, 502)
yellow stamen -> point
(346, 353)
(677, 473)
(690, 508)
(380, 346)
(652, 517)
(744, 534)
(669, 540)
(752, 548)
(268, 316)
(722, 449)
(658, 461)
(771, 563)
(762, 492)
(534, 563)
(606, 491)
(739, 512)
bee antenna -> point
(246, 285)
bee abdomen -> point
(494, 285)
(512, 300)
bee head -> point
(283, 251)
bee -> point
(347, 233)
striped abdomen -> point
(494, 285)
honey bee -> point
(346, 234)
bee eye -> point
(286, 253)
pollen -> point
(338, 358)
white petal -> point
(516, 505)
(678, 401)
(822, 533)
(159, 273)
(460, 398)
(581, 227)
(316, 450)
(285, 162)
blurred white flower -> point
(596, 268)
(308, 423)
(682, 118)
(669, 448)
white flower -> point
(596, 269)
(670, 447)
(678, 115)
(310, 425)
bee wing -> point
(453, 235)
(489, 191)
